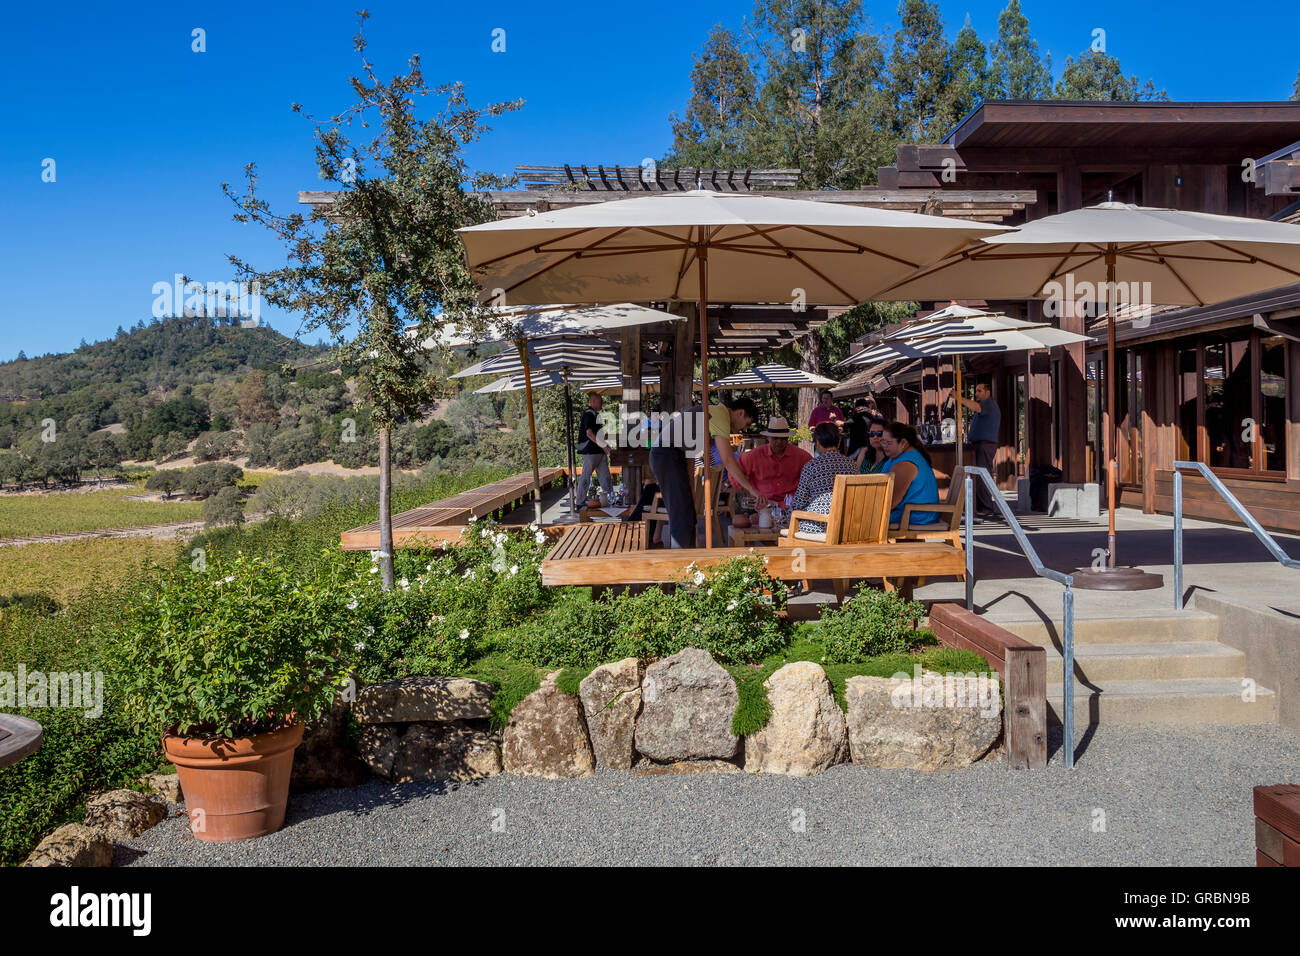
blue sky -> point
(143, 130)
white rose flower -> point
(227, 579)
(359, 646)
(540, 537)
(352, 606)
(514, 569)
(464, 635)
(699, 578)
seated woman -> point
(914, 482)
(817, 479)
(871, 460)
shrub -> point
(241, 648)
(225, 507)
(732, 611)
(208, 479)
(166, 481)
(870, 623)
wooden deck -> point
(603, 554)
(440, 523)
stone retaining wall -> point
(674, 716)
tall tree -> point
(386, 260)
(968, 70)
(919, 77)
(717, 128)
(1097, 76)
(1295, 94)
(1017, 71)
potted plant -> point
(228, 664)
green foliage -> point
(208, 479)
(1097, 76)
(225, 507)
(1017, 73)
(240, 648)
(869, 623)
(167, 480)
(571, 678)
(512, 681)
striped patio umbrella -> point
(774, 376)
(957, 331)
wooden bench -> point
(794, 563)
(1023, 669)
(1277, 825)
(440, 523)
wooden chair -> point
(657, 513)
(859, 515)
(953, 506)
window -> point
(1231, 393)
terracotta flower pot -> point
(239, 787)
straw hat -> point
(777, 427)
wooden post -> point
(532, 431)
(630, 412)
(702, 254)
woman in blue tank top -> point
(914, 482)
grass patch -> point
(63, 512)
(63, 569)
(753, 710)
(571, 677)
(512, 682)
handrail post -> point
(970, 541)
(1178, 540)
(1067, 677)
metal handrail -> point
(1043, 571)
(1266, 539)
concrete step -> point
(1185, 702)
(1181, 628)
(1162, 661)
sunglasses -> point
(875, 434)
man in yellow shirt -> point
(668, 462)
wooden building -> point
(1219, 384)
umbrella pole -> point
(702, 254)
(568, 438)
(532, 432)
(957, 368)
(1112, 426)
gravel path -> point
(1170, 797)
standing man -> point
(668, 462)
(827, 411)
(774, 468)
(592, 450)
(984, 428)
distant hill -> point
(160, 356)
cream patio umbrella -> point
(698, 245)
(1173, 257)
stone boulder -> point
(424, 700)
(123, 814)
(928, 723)
(377, 747)
(454, 751)
(326, 758)
(73, 844)
(687, 702)
(611, 700)
(806, 732)
(165, 785)
(546, 736)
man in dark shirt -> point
(984, 428)
(592, 450)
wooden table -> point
(19, 737)
(748, 537)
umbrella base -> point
(1116, 579)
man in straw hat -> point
(774, 468)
